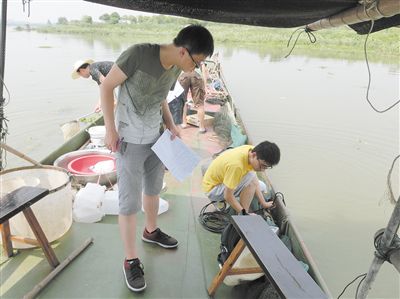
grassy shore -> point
(342, 43)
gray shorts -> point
(138, 170)
(217, 193)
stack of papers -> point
(175, 155)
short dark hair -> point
(83, 66)
(268, 152)
(197, 39)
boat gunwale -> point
(316, 274)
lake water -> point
(336, 151)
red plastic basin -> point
(84, 165)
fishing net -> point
(225, 125)
(227, 129)
(53, 212)
(217, 93)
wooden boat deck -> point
(185, 272)
(182, 273)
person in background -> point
(145, 74)
(195, 81)
(90, 69)
(176, 102)
(232, 174)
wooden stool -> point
(279, 265)
(17, 201)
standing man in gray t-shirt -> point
(145, 73)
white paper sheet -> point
(176, 156)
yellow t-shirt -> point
(228, 168)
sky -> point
(43, 10)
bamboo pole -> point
(40, 286)
(2, 66)
(3, 42)
(387, 238)
(381, 9)
(19, 154)
(395, 259)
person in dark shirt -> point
(144, 74)
(90, 69)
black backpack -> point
(229, 239)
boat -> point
(184, 273)
(196, 256)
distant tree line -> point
(115, 18)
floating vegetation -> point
(89, 119)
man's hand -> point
(268, 205)
(174, 131)
(97, 108)
(111, 140)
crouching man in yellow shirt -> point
(232, 174)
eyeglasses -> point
(263, 166)
(194, 61)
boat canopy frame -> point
(272, 13)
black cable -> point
(29, 6)
(6, 99)
(388, 181)
(310, 35)
(3, 125)
(369, 75)
(359, 285)
(214, 221)
(365, 274)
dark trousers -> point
(176, 108)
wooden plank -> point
(241, 271)
(14, 202)
(280, 266)
(226, 268)
(41, 237)
(35, 291)
(25, 240)
(6, 238)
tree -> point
(129, 19)
(114, 18)
(87, 20)
(144, 19)
(62, 21)
(105, 18)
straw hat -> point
(77, 65)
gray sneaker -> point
(133, 272)
(159, 238)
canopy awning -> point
(266, 13)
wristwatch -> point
(243, 212)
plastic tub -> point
(105, 179)
(97, 135)
(54, 211)
(92, 164)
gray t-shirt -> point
(100, 68)
(138, 113)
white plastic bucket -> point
(97, 135)
(111, 203)
(245, 260)
(53, 212)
